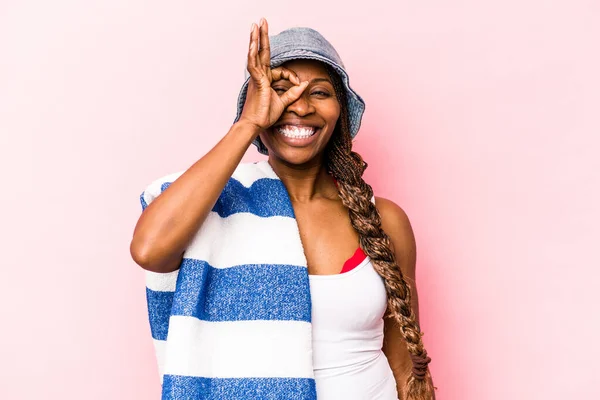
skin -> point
(327, 235)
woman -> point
(360, 253)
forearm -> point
(168, 224)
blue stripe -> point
(189, 387)
(163, 187)
(241, 293)
(265, 197)
(143, 201)
(159, 309)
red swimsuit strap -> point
(359, 254)
(358, 257)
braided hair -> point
(347, 167)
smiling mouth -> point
(296, 132)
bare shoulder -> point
(394, 220)
(396, 224)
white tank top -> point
(347, 323)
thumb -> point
(293, 93)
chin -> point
(294, 156)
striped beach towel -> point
(234, 321)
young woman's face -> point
(317, 110)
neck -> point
(305, 182)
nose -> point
(302, 106)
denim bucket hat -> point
(307, 43)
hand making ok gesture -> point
(264, 106)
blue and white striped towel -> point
(234, 321)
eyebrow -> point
(321, 80)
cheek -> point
(334, 114)
(333, 121)
(327, 137)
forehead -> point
(307, 69)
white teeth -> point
(295, 132)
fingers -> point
(253, 53)
(259, 53)
(293, 94)
(264, 54)
(284, 73)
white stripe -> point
(248, 173)
(245, 173)
(280, 349)
(160, 346)
(153, 190)
(245, 238)
(162, 282)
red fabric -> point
(358, 256)
(355, 260)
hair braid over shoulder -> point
(347, 167)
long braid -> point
(347, 167)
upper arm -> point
(396, 225)
(137, 247)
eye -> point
(320, 93)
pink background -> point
(482, 122)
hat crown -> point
(298, 40)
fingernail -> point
(262, 21)
(252, 27)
